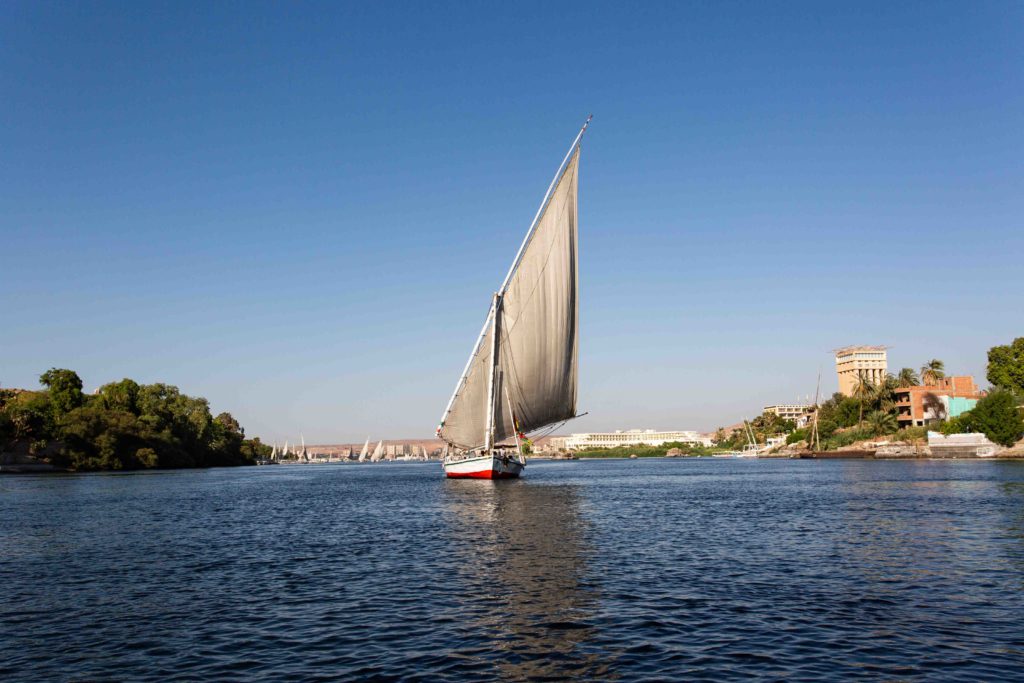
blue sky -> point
(300, 210)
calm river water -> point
(649, 569)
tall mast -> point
(489, 433)
(511, 270)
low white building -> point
(797, 412)
(633, 437)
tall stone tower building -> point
(854, 362)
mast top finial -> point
(583, 129)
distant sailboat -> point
(521, 375)
(377, 452)
(366, 449)
(752, 448)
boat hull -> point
(483, 467)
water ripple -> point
(636, 570)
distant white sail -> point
(377, 451)
(366, 449)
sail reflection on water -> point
(521, 581)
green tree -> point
(864, 389)
(847, 413)
(933, 371)
(65, 389)
(798, 435)
(884, 397)
(827, 427)
(955, 425)
(907, 378)
(997, 417)
(6, 396)
(125, 426)
(881, 422)
(770, 424)
(99, 439)
(226, 440)
(31, 418)
(164, 408)
(123, 395)
(1006, 366)
(253, 450)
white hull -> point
(483, 467)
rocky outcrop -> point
(902, 450)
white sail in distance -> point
(536, 320)
(366, 449)
(377, 451)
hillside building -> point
(797, 412)
(854, 362)
(948, 397)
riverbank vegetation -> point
(123, 426)
(871, 413)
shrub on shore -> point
(124, 426)
(997, 416)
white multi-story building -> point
(796, 412)
(633, 437)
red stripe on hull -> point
(486, 474)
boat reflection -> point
(522, 580)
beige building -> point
(789, 411)
(854, 362)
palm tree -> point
(907, 378)
(884, 397)
(882, 423)
(932, 371)
(864, 388)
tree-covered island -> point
(123, 426)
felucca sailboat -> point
(378, 452)
(521, 374)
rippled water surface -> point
(648, 569)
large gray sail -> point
(537, 326)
